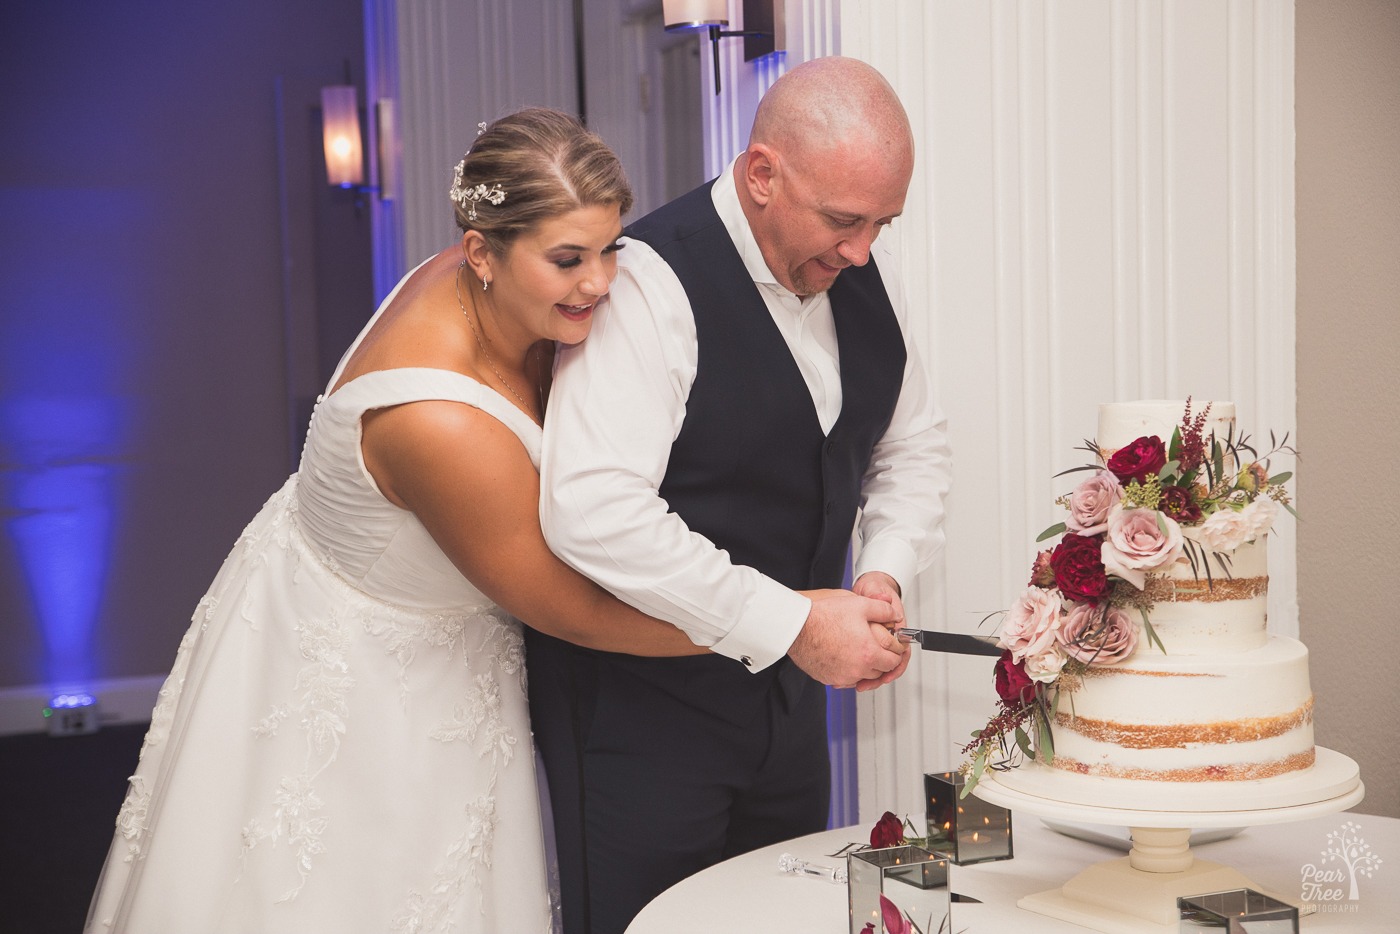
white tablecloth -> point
(749, 895)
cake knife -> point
(958, 643)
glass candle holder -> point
(1238, 911)
(912, 878)
(967, 830)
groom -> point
(747, 394)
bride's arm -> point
(470, 482)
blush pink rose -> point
(1096, 637)
(1045, 666)
(1138, 541)
(1091, 502)
(1031, 623)
(1224, 530)
(1260, 515)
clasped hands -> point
(848, 639)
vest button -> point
(828, 509)
(831, 447)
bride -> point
(342, 744)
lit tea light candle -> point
(968, 830)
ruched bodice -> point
(374, 545)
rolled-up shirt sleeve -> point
(616, 407)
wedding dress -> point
(343, 743)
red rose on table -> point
(1078, 565)
(1178, 503)
(1139, 460)
(1014, 686)
(888, 831)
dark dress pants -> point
(646, 789)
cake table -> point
(1136, 894)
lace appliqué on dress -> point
(133, 819)
(319, 708)
(476, 720)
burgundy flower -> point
(1179, 503)
(1014, 686)
(1193, 444)
(1078, 565)
(1139, 460)
(888, 831)
(1042, 574)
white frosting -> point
(1226, 701)
(1196, 624)
(1166, 712)
(1121, 423)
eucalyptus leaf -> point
(1152, 637)
(1023, 742)
(1047, 743)
(1051, 532)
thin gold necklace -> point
(457, 283)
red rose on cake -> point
(1144, 458)
(1014, 686)
(1079, 568)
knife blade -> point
(957, 643)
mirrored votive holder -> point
(1237, 911)
(966, 829)
(914, 879)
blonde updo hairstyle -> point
(548, 164)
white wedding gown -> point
(343, 743)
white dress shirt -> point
(617, 405)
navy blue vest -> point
(751, 469)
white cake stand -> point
(1137, 893)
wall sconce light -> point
(340, 133)
(712, 15)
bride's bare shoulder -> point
(418, 328)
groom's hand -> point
(878, 585)
(846, 640)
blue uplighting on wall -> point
(72, 341)
(60, 487)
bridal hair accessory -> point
(474, 194)
(468, 197)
